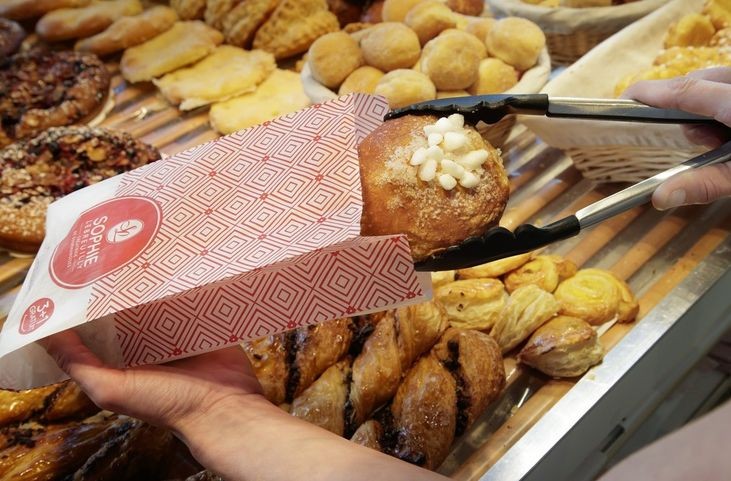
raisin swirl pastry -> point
(41, 89)
(57, 162)
(439, 399)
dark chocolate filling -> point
(463, 397)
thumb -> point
(700, 186)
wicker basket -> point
(572, 32)
(617, 151)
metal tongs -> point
(499, 242)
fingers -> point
(710, 136)
(694, 187)
(716, 74)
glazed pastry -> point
(494, 76)
(404, 87)
(281, 93)
(516, 41)
(430, 18)
(48, 89)
(494, 269)
(11, 36)
(544, 271)
(473, 303)
(227, 72)
(242, 22)
(36, 172)
(346, 395)
(363, 79)
(596, 296)
(189, 9)
(443, 277)
(286, 364)
(437, 204)
(438, 400)
(396, 10)
(472, 8)
(181, 45)
(129, 31)
(25, 9)
(528, 308)
(563, 347)
(68, 23)
(390, 46)
(294, 25)
(452, 59)
(49, 404)
(693, 30)
(333, 57)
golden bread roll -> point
(281, 93)
(544, 271)
(563, 347)
(452, 59)
(430, 18)
(181, 45)
(24, 9)
(407, 190)
(495, 268)
(68, 23)
(189, 9)
(404, 87)
(472, 8)
(472, 303)
(129, 31)
(494, 76)
(441, 278)
(242, 22)
(596, 296)
(719, 12)
(390, 46)
(363, 79)
(227, 72)
(293, 26)
(333, 57)
(516, 41)
(528, 308)
(479, 27)
(396, 10)
(692, 30)
(449, 94)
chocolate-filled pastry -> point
(11, 36)
(348, 393)
(528, 308)
(438, 400)
(49, 89)
(287, 363)
(597, 296)
(57, 162)
(563, 347)
(544, 271)
(435, 180)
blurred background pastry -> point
(333, 57)
(404, 87)
(363, 79)
(430, 18)
(390, 46)
(493, 76)
(516, 41)
(452, 59)
(25, 9)
(68, 23)
(11, 36)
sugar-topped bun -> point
(435, 180)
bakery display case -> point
(563, 418)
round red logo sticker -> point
(104, 238)
(36, 315)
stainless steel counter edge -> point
(571, 441)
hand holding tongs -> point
(499, 242)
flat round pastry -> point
(597, 296)
(472, 303)
(49, 89)
(11, 36)
(411, 187)
(36, 172)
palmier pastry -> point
(11, 36)
(528, 308)
(473, 303)
(563, 347)
(596, 296)
(47, 89)
(68, 23)
(24, 9)
(435, 180)
(544, 271)
(495, 268)
(35, 172)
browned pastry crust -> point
(53, 403)
(373, 12)
(11, 36)
(189, 9)
(129, 31)
(348, 393)
(467, 7)
(40, 89)
(24, 9)
(347, 11)
(68, 23)
(440, 397)
(395, 201)
(57, 162)
(242, 22)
